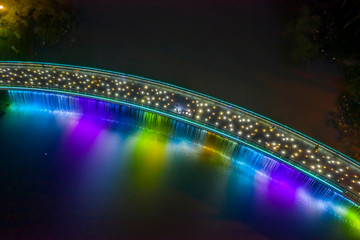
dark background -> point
(233, 50)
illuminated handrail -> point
(309, 156)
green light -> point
(186, 121)
(186, 90)
(148, 159)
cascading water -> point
(272, 180)
(243, 158)
(122, 115)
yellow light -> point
(1, 7)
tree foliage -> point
(332, 29)
(302, 35)
(34, 22)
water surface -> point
(66, 173)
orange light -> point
(1, 7)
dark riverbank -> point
(4, 102)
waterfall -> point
(240, 158)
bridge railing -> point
(301, 139)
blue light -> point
(186, 121)
(188, 90)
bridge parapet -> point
(307, 155)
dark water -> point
(67, 174)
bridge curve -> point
(320, 162)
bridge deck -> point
(313, 158)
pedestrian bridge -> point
(318, 161)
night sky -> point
(232, 50)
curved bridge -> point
(297, 150)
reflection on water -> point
(116, 172)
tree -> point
(332, 28)
(302, 36)
(28, 23)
